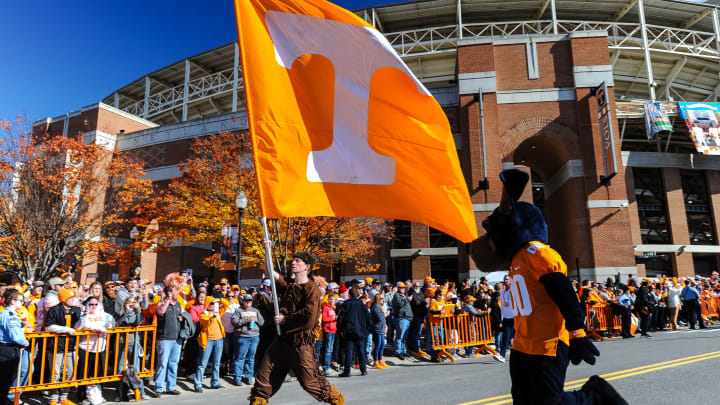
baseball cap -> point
(429, 279)
(400, 284)
(38, 283)
(332, 286)
(56, 281)
(376, 281)
(247, 297)
(266, 282)
(65, 294)
(368, 279)
(223, 281)
(470, 298)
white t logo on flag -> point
(349, 159)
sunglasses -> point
(92, 305)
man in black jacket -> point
(419, 310)
(60, 319)
(643, 305)
(402, 312)
(354, 324)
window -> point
(697, 207)
(440, 240)
(401, 239)
(652, 207)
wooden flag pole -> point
(269, 266)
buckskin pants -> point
(280, 358)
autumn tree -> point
(194, 207)
(62, 199)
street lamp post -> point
(241, 202)
(134, 233)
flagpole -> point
(271, 271)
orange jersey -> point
(538, 321)
(594, 297)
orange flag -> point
(340, 126)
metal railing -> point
(104, 358)
(444, 39)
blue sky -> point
(59, 56)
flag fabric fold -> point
(340, 125)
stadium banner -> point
(340, 126)
(656, 119)
(702, 122)
(228, 246)
(606, 133)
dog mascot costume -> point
(548, 319)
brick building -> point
(517, 85)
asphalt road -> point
(670, 368)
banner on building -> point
(228, 245)
(702, 122)
(606, 133)
(656, 119)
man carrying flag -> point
(294, 349)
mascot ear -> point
(514, 181)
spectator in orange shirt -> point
(210, 340)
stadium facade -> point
(523, 84)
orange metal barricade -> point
(605, 321)
(44, 351)
(451, 331)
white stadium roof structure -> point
(678, 40)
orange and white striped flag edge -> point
(340, 126)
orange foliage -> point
(194, 207)
(61, 198)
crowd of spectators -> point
(662, 303)
(224, 330)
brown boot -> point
(336, 397)
(258, 401)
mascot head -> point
(511, 225)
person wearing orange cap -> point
(236, 289)
(402, 312)
(434, 310)
(60, 319)
(222, 290)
